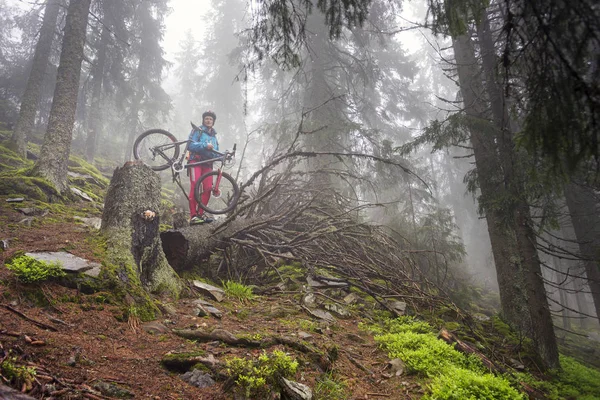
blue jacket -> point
(200, 139)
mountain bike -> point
(160, 149)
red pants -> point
(195, 173)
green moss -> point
(29, 270)
(454, 375)
(463, 384)
(17, 183)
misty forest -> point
(416, 200)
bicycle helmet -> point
(209, 114)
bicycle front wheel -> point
(156, 148)
(223, 195)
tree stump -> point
(130, 222)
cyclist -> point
(204, 140)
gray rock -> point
(27, 221)
(154, 327)
(296, 390)
(204, 308)
(81, 194)
(16, 200)
(304, 335)
(4, 244)
(112, 390)
(352, 298)
(94, 222)
(31, 211)
(398, 306)
(212, 291)
(69, 262)
(322, 315)
(94, 272)
(310, 300)
(337, 309)
(198, 378)
(397, 366)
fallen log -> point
(7, 393)
(185, 248)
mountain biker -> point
(203, 141)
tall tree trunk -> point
(508, 270)
(94, 127)
(542, 329)
(31, 97)
(54, 155)
(582, 204)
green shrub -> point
(259, 377)
(463, 384)
(238, 291)
(29, 270)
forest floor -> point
(89, 344)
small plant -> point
(328, 387)
(238, 291)
(259, 377)
(29, 270)
(19, 376)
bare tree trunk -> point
(510, 277)
(54, 155)
(94, 127)
(31, 97)
(542, 329)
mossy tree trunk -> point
(130, 223)
(54, 155)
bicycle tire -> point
(228, 199)
(143, 145)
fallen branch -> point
(35, 322)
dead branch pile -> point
(310, 219)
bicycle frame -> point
(179, 164)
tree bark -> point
(510, 277)
(31, 97)
(131, 221)
(187, 247)
(54, 155)
(542, 329)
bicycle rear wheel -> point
(223, 198)
(156, 148)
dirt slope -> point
(90, 344)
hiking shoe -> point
(196, 220)
(207, 218)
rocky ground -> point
(81, 348)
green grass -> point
(238, 291)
